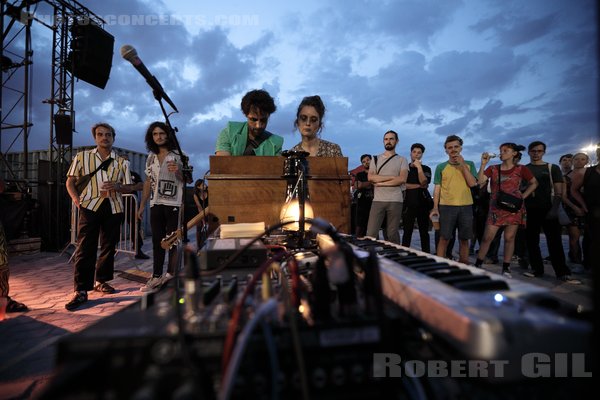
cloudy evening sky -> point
(489, 71)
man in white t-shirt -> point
(164, 187)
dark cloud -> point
(451, 80)
(523, 71)
(517, 31)
(406, 21)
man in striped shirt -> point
(100, 213)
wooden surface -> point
(251, 189)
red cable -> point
(237, 311)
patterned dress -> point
(510, 183)
(326, 149)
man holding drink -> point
(452, 199)
(100, 213)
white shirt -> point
(166, 187)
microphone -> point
(130, 54)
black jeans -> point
(363, 208)
(536, 221)
(408, 224)
(101, 224)
(164, 220)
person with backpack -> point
(542, 214)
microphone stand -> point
(186, 170)
(187, 175)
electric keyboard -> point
(481, 314)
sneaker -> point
(153, 284)
(13, 306)
(104, 288)
(142, 256)
(506, 273)
(77, 300)
(568, 279)
(167, 277)
(531, 274)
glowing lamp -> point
(296, 207)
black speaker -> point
(63, 128)
(90, 58)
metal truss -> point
(16, 20)
(18, 84)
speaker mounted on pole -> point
(63, 128)
(90, 58)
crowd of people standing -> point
(471, 206)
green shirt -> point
(234, 137)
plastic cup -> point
(101, 182)
(435, 220)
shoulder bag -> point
(385, 162)
(427, 199)
(505, 201)
(84, 180)
(560, 213)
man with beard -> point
(388, 175)
(251, 137)
(164, 187)
(452, 199)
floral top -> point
(326, 149)
(510, 181)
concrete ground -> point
(44, 282)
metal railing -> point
(127, 234)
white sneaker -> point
(568, 279)
(167, 277)
(152, 284)
(506, 273)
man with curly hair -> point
(251, 137)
